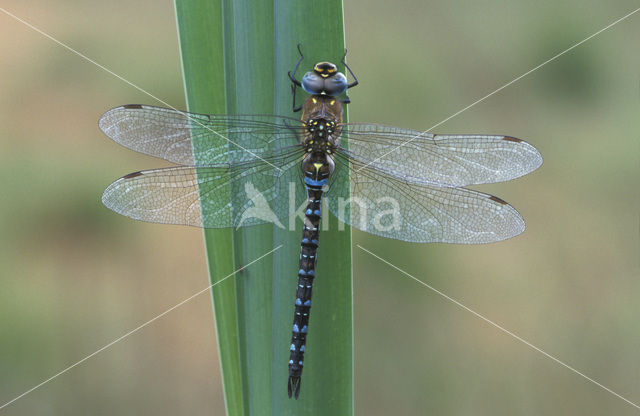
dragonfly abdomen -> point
(306, 274)
(317, 168)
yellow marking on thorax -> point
(317, 166)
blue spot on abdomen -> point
(318, 184)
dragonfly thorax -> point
(322, 117)
(321, 136)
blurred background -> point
(74, 276)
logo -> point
(382, 215)
(260, 209)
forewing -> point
(172, 134)
(445, 160)
(389, 207)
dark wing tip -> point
(493, 198)
(132, 175)
(294, 387)
(102, 123)
(512, 139)
(535, 161)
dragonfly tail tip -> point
(294, 387)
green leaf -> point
(235, 57)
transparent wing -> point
(212, 197)
(430, 159)
(171, 134)
(392, 208)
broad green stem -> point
(235, 57)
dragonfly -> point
(245, 170)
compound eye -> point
(312, 83)
(335, 85)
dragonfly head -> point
(324, 79)
(325, 69)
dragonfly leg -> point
(292, 77)
(355, 80)
(293, 93)
(294, 82)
